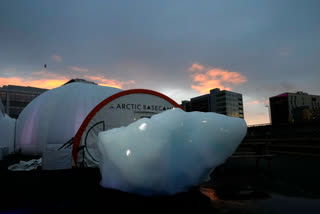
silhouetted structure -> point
(80, 80)
(15, 98)
(186, 105)
(1, 108)
(297, 107)
(222, 102)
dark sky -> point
(180, 48)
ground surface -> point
(290, 186)
(78, 190)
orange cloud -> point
(205, 79)
(40, 83)
(75, 68)
(265, 102)
(109, 82)
(196, 67)
(253, 102)
(49, 80)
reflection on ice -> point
(143, 126)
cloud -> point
(78, 69)
(40, 79)
(48, 79)
(253, 102)
(56, 58)
(110, 82)
(39, 83)
(196, 67)
(204, 79)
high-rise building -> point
(1, 108)
(294, 108)
(15, 98)
(222, 102)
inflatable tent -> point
(54, 117)
(118, 110)
(76, 113)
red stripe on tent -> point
(77, 137)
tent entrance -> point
(90, 153)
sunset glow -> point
(182, 51)
(49, 80)
(40, 83)
(196, 67)
(253, 102)
(204, 79)
(110, 82)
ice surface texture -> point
(55, 116)
(168, 153)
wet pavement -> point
(291, 186)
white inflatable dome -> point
(55, 116)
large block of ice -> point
(168, 153)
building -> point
(186, 105)
(296, 107)
(15, 98)
(223, 102)
(1, 108)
